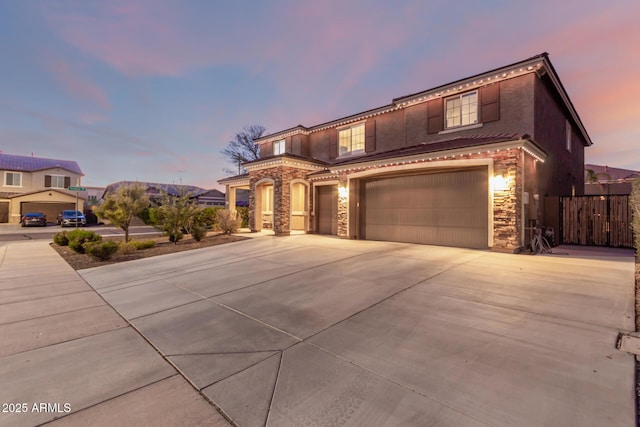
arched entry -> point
(264, 205)
(299, 205)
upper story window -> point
(462, 110)
(13, 179)
(57, 181)
(278, 147)
(568, 135)
(351, 139)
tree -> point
(243, 148)
(593, 177)
(123, 205)
(177, 214)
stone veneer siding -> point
(282, 177)
(507, 204)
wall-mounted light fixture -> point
(501, 183)
(343, 192)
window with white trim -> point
(568, 135)
(462, 110)
(278, 147)
(351, 139)
(13, 179)
(57, 181)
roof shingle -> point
(12, 162)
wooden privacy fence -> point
(596, 221)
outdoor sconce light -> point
(501, 183)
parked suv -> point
(69, 218)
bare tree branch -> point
(243, 148)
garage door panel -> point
(446, 208)
(51, 210)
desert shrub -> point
(127, 248)
(78, 238)
(198, 233)
(61, 239)
(228, 221)
(243, 214)
(176, 236)
(146, 244)
(101, 251)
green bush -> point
(101, 251)
(145, 216)
(61, 238)
(146, 244)
(243, 214)
(77, 239)
(198, 233)
(127, 248)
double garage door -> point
(446, 208)
(51, 210)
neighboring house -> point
(93, 195)
(154, 191)
(35, 184)
(604, 180)
(464, 164)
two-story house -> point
(35, 184)
(465, 164)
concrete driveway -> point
(310, 330)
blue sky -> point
(154, 89)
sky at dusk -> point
(152, 90)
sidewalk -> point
(66, 354)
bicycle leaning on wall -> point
(539, 243)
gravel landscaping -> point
(163, 246)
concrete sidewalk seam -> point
(533, 313)
(109, 399)
(393, 295)
(248, 367)
(41, 298)
(399, 384)
(49, 315)
(275, 388)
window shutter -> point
(435, 119)
(67, 181)
(47, 181)
(370, 136)
(296, 145)
(490, 103)
(266, 149)
(288, 145)
(333, 143)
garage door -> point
(51, 210)
(327, 209)
(445, 208)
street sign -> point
(77, 189)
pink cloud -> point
(136, 38)
(78, 84)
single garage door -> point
(327, 209)
(51, 210)
(445, 208)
